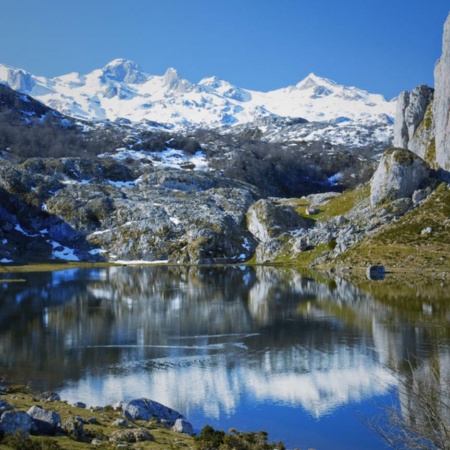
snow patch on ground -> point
(62, 252)
(121, 183)
(170, 158)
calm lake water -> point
(307, 359)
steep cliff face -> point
(411, 111)
(442, 102)
(422, 120)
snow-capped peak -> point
(213, 82)
(124, 70)
(122, 90)
(175, 83)
(312, 80)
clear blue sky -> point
(384, 46)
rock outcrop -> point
(399, 174)
(422, 120)
(87, 210)
(441, 108)
(411, 109)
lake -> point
(307, 357)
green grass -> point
(401, 244)
(337, 206)
(22, 399)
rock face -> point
(442, 102)
(104, 210)
(422, 120)
(268, 220)
(411, 109)
(399, 174)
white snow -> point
(174, 101)
(4, 241)
(6, 261)
(175, 220)
(62, 252)
(121, 183)
(21, 230)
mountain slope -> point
(122, 90)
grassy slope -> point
(400, 245)
(164, 438)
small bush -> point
(210, 439)
(20, 441)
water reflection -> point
(204, 340)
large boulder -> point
(441, 104)
(267, 219)
(13, 421)
(399, 174)
(44, 421)
(145, 409)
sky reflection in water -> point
(234, 347)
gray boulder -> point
(13, 421)
(74, 426)
(145, 409)
(183, 426)
(441, 104)
(44, 421)
(398, 175)
(376, 272)
(131, 435)
(120, 423)
(267, 219)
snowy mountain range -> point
(122, 90)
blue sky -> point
(384, 46)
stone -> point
(427, 230)
(13, 421)
(267, 219)
(420, 195)
(79, 405)
(48, 397)
(120, 423)
(183, 426)
(145, 409)
(399, 173)
(441, 104)
(131, 435)
(74, 426)
(44, 421)
(376, 272)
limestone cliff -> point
(422, 121)
(442, 102)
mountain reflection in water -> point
(211, 342)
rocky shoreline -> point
(25, 413)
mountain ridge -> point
(122, 90)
